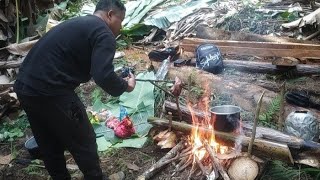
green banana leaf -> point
(138, 11)
(136, 30)
(139, 104)
(163, 18)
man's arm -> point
(102, 69)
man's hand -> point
(131, 82)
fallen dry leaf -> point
(4, 160)
(177, 87)
(3, 17)
(166, 139)
(132, 166)
(160, 135)
(22, 48)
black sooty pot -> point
(226, 118)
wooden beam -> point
(253, 44)
(262, 52)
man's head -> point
(112, 12)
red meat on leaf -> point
(125, 129)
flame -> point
(197, 136)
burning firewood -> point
(263, 147)
(216, 163)
(263, 132)
(168, 158)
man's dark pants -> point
(60, 123)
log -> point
(262, 132)
(264, 67)
(290, 86)
(273, 149)
(162, 162)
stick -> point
(312, 36)
(213, 175)
(178, 107)
(182, 162)
(201, 165)
(169, 93)
(189, 161)
(281, 111)
(170, 120)
(162, 162)
(253, 135)
(192, 169)
(150, 80)
(18, 23)
(186, 150)
(215, 162)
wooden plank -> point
(253, 44)
(262, 52)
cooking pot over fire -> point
(226, 118)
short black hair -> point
(107, 5)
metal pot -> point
(226, 118)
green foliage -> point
(96, 94)
(35, 168)
(280, 171)
(268, 117)
(159, 98)
(13, 129)
(123, 43)
(297, 80)
(289, 16)
(290, 74)
(136, 30)
(312, 172)
(72, 10)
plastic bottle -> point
(123, 113)
(163, 70)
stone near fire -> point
(243, 168)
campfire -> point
(201, 154)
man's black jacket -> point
(71, 53)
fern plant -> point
(280, 171)
(269, 116)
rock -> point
(117, 176)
